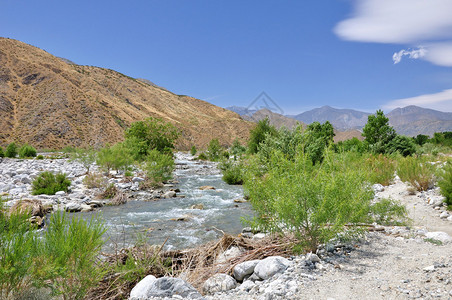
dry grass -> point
(51, 104)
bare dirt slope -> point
(50, 103)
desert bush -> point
(109, 192)
(11, 150)
(214, 150)
(27, 151)
(380, 169)
(314, 202)
(202, 156)
(151, 134)
(284, 140)
(418, 171)
(388, 212)
(233, 172)
(84, 156)
(401, 144)
(193, 150)
(445, 183)
(237, 149)
(17, 251)
(258, 134)
(68, 256)
(94, 180)
(2, 154)
(116, 157)
(40, 157)
(353, 144)
(159, 167)
(47, 183)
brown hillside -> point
(51, 104)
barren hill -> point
(50, 103)
(275, 119)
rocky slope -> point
(275, 119)
(50, 103)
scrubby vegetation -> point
(48, 183)
(64, 260)
(11, 150)
(27, 151)
(445, 183)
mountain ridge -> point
(50, 103)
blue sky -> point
(365, 55)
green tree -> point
(378, 133)
(85, 156)
(421, 139)
(214, 150)
(237, 148)
(152, 133)
(317, 138)
(258, 133)
(401, 144)
(159, 167)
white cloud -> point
(398, 21)
(440, 101)
(414, 54)
(440, 54)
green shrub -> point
(378, 133)
(237, 149)
(17, 252)
(214, 150)
(202, 156)
(2, 154)
(233, 172)
(445, 183)
(40, 157)
(401, 144)
(388, 212)
(150, 134)
(193, 150)
(84, 156)
(353, 144)
(159, 167)
(27, 151)
(116, 157)
(380, 169)
(47, 183)
(69, 255)
(258, 134)
(11, 150)
(314, 203)
(417, 171)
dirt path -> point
(421, 213)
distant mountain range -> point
(411, 120)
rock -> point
(206, 187)
(197, 206)
(137, 179)
(169, 287)
(243, 269)
(60, 193)
(219, 283)
(449, 218)
(444, 215)
(182, 218)
(240, 201)
(32, 207)
(73, 207)
(169, 194)
(85, 208)
(312, 257)
(378, 188)
(228, 254)
(247, 285)
(95, 203)
(429, 268)
(439, 236)
(270, 266)
(141, 290)
(259, 236)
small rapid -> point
(175, 220)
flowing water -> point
(152, 220)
